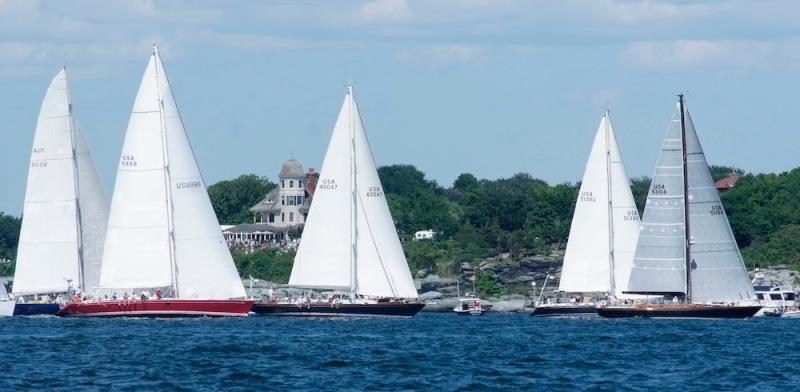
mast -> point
(167, 179)
(688, 237)
(612, 282)
(353, 198)
(76, 185)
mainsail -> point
(66, 209)
(605, 225)
(162, 230)
(717, 272)
(349, 241)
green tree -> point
(232, 199)
(270, 264)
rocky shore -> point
(513, 278)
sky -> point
(488, 87)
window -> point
(300, 184)
(291, 183)
(760, 296)
(283, 200)
(283, 185)
(283, 217)
(775, 297)
(305, 216)
(271, 218)
(291, 217)
(299, 200)
(789, 296)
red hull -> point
(159, 308)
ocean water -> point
(438, 352)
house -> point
(725, 184)
(424, 235)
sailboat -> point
(163, 235)
(349, 242)
(65, 213)
(686, 254)
(604, 230)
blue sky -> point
(490, 87)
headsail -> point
(63, 197)
(349, 232)
(162, 229)
(604, 226)
(717, 270)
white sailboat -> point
(163, 235)
(686, 253)
(349, 242)
(604, 230)
(65, 213)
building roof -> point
(727, 182)
(292, 169)
(268, 203)
(259, 228)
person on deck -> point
(158, 293)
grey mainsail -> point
(717, 271)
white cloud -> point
(385, 10)
(441, 55)
(739, 56)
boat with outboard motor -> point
(163, 234)
(65, 213)
(603, 233)
(349, 241)
(686, 254)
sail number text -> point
(717, 210)
(128, 161)
(39, 164)
(631, 215)
(374, 191)
(37, 150)
(191, 184)
(328, 183)
(587, 196)
(658, 189)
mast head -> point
(155, 48)
(349, 87)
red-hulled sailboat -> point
(162, 235)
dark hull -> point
(159, 308)
(36, 309)
(710, 311)
(386, 309)
(565, 310)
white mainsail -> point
(605, 225)
(717, 270)
(66, 209)
(162, 230)
(349, 240)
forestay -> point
(604, 227)
(162, 226)
(63, 196)
(350, 232)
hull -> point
(557, 310)
(679, 311)
(159, 308)
(7, 308)
(36, 309)
(385, 309)
(469, 312)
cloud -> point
(738, 55)
(385, 10)
(441, 55)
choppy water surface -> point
(429, 352)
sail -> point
(204, 265)
(144, 234)
(94, 208)
(49, 250)
(625, 216)
(381, 264)
(342, 233)
(659, 264)
(324, 257)
(605, 222)
(718, 271)
(587, 258)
